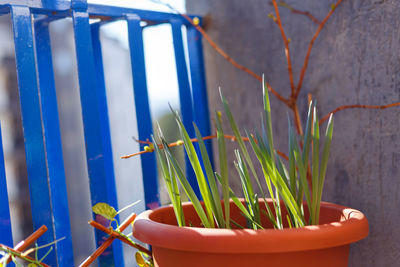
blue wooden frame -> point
(5, 220)
(30, 20)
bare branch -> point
(358, 106)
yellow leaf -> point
(105, 210)
(139, 259)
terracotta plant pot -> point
(324, 245)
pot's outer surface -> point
(324, 245)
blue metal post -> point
(101, 176)
(53, 147)
(144, 122)
(104, 121)
(32, 126)
(199, 89)
(185, 95)
(5, 222)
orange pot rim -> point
(351, 228)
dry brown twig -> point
(193, 140)
(357, 106)
(291, 101)
(310, 46)
(297, 11)
(286, 43)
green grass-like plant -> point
(289, 182)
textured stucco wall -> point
(356, 60)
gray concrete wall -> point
(355, 60)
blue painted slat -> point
(144, 122)
(102, 184)
(4, 10)
(104, 121)
(79, 4)
(199, 90)
(53, 147)
(62, 7)
(32, 125)
(41, 4)
(185, 95)
(5, 222)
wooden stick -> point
(19, 255)
(119, 236)
(89, 260)
(24, 244)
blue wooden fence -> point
(30, 22)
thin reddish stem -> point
(297, 11)
(286, 43)
(357, 106)
(307, 14)
(297, 119)
(220, 51)
(178, 143)
(310, 46)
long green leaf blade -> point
(267, 110)
(236, 200)
(292, 165)
(217, 208)
(223, 163)
(324, 161)
(307, 135)
(302, 174)
(240, 141)
(194, 161)
(188, 189)
(315, 166)
(172, 189)
(247, 187)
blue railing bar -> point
(53, 146)
(4, 10)
(144, 122)
(199, 90)
(48, 5)
(63, 6)
(185, 95)
(62, 9)
(32, 126)
(101, 189)
(113, 11)
(45, 18)
(105, 128)
(79, 4)
(5, 221)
